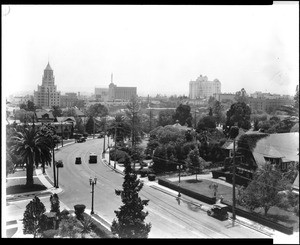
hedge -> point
(198, 196)
(241, 211)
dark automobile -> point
(81, 139)
(218, 211)
(93, 158)
(78, 160)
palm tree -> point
(33, 147)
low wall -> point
(243, 212)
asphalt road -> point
(170, 217)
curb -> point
(111, 167)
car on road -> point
(78, 160)
(101, 135)
(219, 211)
(81, 139)
(93, 158)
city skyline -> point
(85, 44)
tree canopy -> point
(238, 115)
(97, 110)
(183, 115)
(166, 117)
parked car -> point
(81, 139)
(219, 211)
(78, 160)
(101, 135)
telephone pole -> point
(233, 184)
(115, 146)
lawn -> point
(276, 214)
(17, 186)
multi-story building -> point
(202, 88)
(47, 95)
(265, 104)
(120, 93)
(101, 94)
(226, 97)
(68, 100)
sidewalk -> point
(278, 237)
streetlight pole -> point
(53, 157)
(92, 183)
(179, 167)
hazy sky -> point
(158, 49)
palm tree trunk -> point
(29, 172)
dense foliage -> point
(130, 222)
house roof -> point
(284, 145)
(228, 145)
(64, 119)
(40, 114)
(79, 113)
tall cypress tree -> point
(130, 223)
(34, 217)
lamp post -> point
(59, 164)
(92, 183)
(179, 167)
(109, 147)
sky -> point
(158, 49)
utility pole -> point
(150, 119)
(62, 136)
(195, 120)
(233, 184)
(104, 135)
(115, 146)
(94, 128)
(53, 157)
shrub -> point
(121, 156)
(49, 233)
(79, 210)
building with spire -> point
(47, 95)
(114, 93)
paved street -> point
(170, 217)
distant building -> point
(68, 100)
(47, 95)
(265, 104)
(101, 94)
(226, 97)
(202, 88)
(120, 93)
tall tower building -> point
(47, 95)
